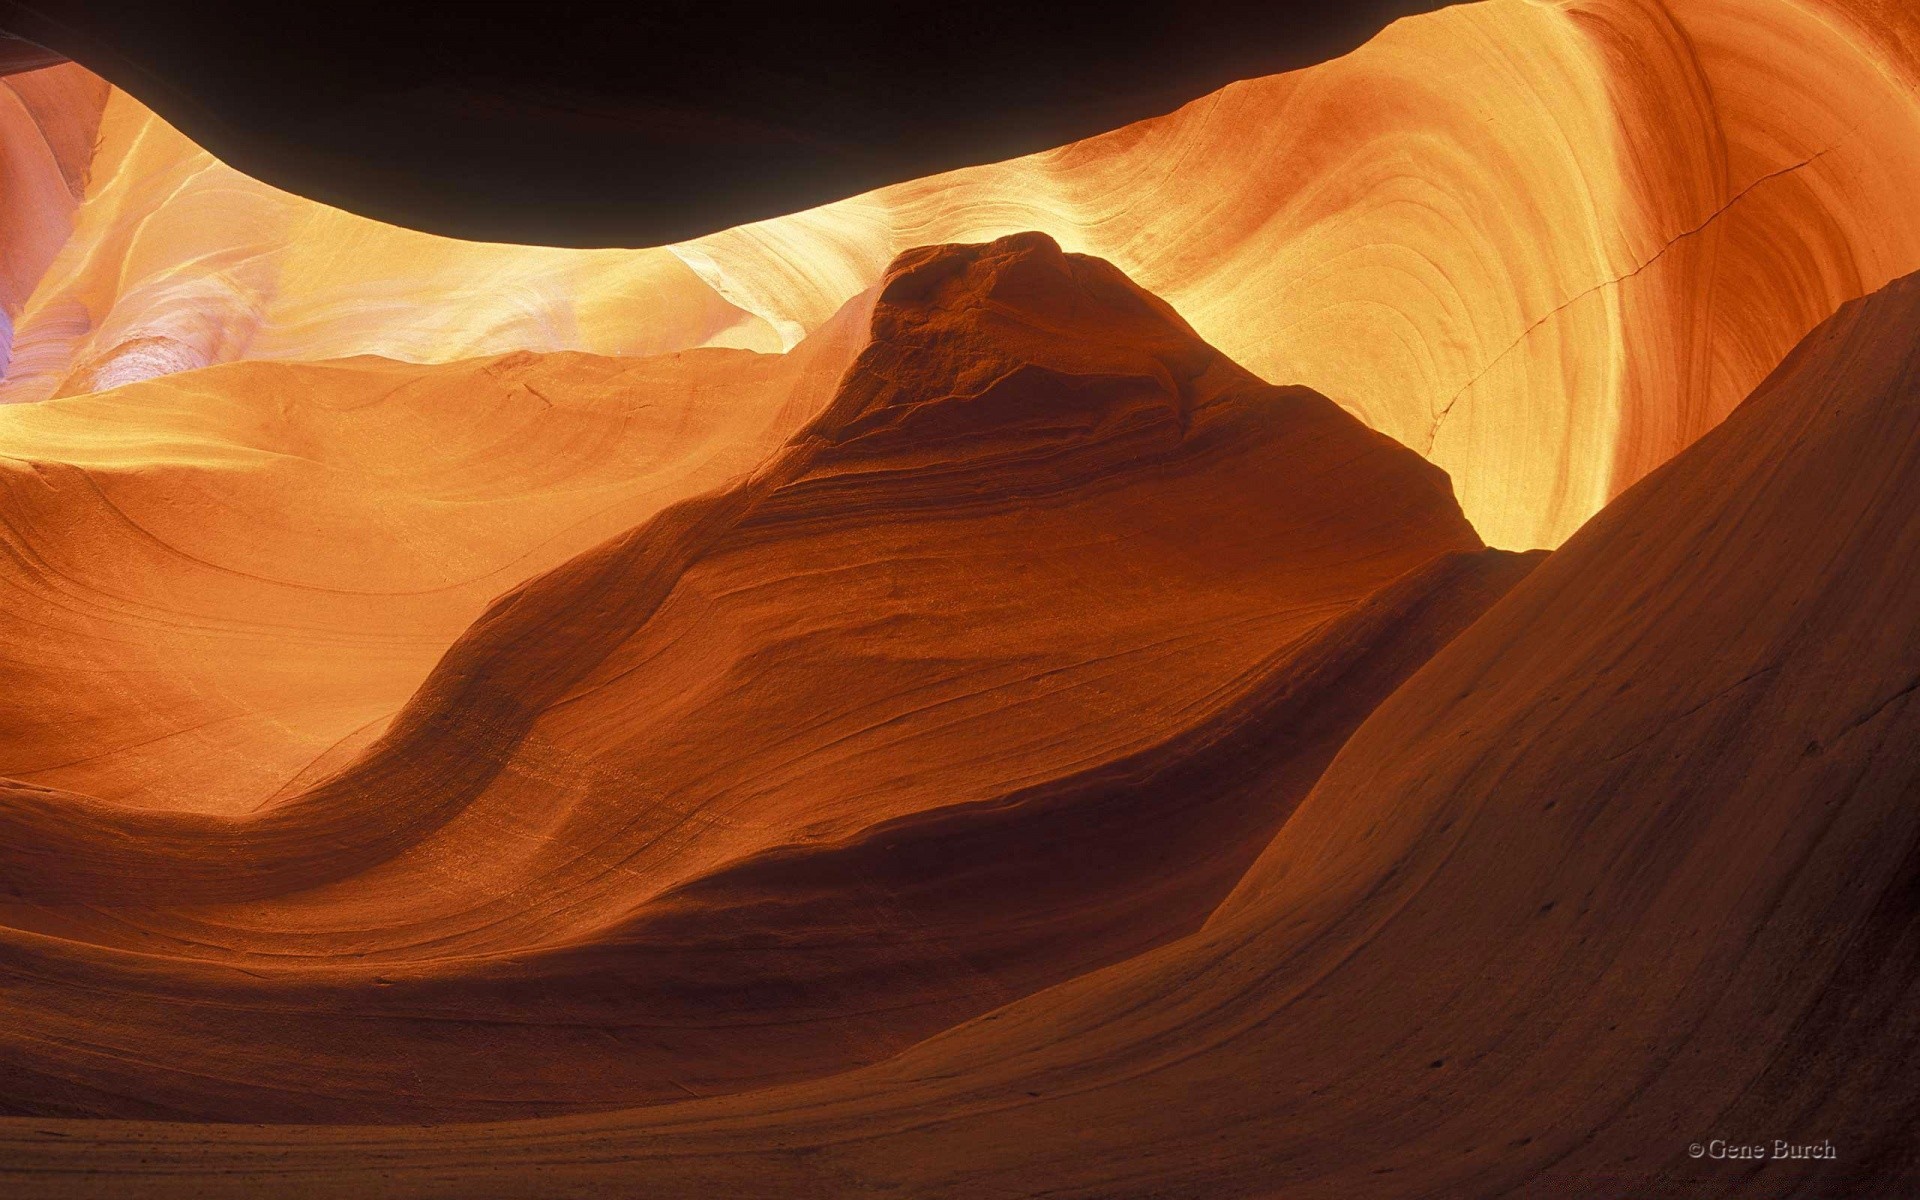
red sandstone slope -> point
(218, 586)
(1628, 865)
(907, 724)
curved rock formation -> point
(216, 579)
(1546, 245)
(48, 120)
(177, 261)
(1628, 864)
(807, 712)
(965, 736)
(252, 564)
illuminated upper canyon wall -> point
(177, 261)
(1546, 245)
(48, 120)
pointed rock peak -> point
(1025, 272)
(1011, 349)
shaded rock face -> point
(1627, 866)
(17, 56)
(1002, 669)
(992, 354)
(1070, 767)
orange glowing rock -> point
(1546, 245)
(884, 714)
(48, 119)
(222, 583)
(177, 261)
(1632, 854)
(1047, 580)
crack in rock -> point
(1433, 431)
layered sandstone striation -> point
(223, 582)
(817, 711)
(1546, 245)
(983, 680)
(1627, 864)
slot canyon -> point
(1352, 633)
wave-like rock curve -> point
(1628, 864)
(1546, 245)
(965, 738)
